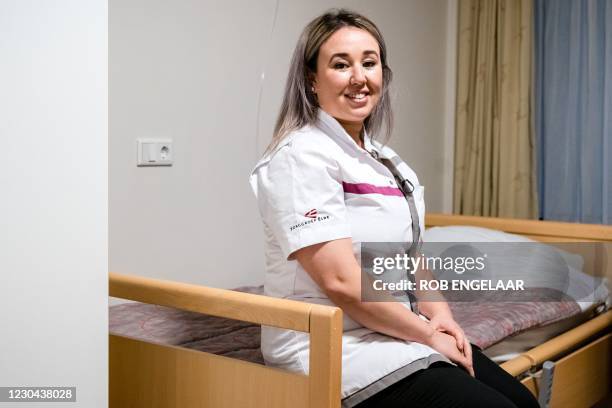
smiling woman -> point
(324, 186)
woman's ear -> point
(312, 78)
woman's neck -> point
(354, 130)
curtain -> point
(495, 174)
(574, 109)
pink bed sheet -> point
(486, 322)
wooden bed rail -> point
(533, 228)
(592, 242)
(562, 343)
(324, 323)
(565, 341)
(286, 314)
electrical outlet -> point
(154, 152)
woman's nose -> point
(358, 76)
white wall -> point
(192, 70)
(53, 204)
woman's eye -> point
(369, 64)
(340, 65)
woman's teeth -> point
(357, 97)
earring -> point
(313, 90)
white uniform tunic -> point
(318, 185)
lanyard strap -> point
(407, 188)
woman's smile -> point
(358, 99)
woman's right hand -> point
(447, 346)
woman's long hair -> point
(299, 107)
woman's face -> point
(348, 81)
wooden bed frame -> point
(150, 375)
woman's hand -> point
(440, 315)
(446, 324)
(447, 346)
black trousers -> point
(448, 386)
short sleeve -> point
(300, 197)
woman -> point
(323, 187)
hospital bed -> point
(145, 373)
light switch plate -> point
(154, 152)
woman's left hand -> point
(445, 323)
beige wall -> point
(192, 70)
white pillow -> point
(585, 289)
(460, 233)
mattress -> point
(485, 323)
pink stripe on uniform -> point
(365, 188)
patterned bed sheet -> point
(485, 324)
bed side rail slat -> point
(283, 313)
(558, 345)
(573, 231)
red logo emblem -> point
(311, 214)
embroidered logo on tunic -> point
(311, 214)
